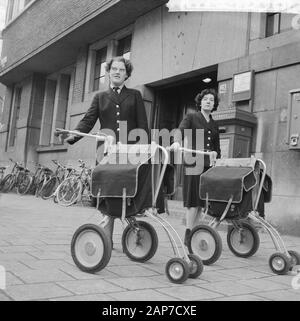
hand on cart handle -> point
(213, 158)
(66, 135)
(71, 135)
(174, 147)
(109, 141)
(177, 147)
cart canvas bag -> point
(119, 177)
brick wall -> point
(43, 21)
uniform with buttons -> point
(113, 106)
(196, 121)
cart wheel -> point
(206, 243)
(90, 248)
(177, 270)
(140, 242)
(295, 258)
(243, 241)
(279, 263)
(196, 266)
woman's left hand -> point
(213, 158)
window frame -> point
(273, 15)
(14, 117)
(15, 8)
(102, 65)
(111, 42)
(124, 42)
(46, 141)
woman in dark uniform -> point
(113, 108)
(206, 102)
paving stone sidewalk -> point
(35, 237)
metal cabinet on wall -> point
(236, 132)
(293, 126)
(235, 141)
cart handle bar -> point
(98, 136)
(183, 149)
(201, 152)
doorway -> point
(176, 99)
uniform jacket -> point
(111, 108)
(196, 121)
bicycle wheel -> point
(39, 187)
(8, 183)
(69, 191)
(24, 185)
(140, 243)
(49, 188)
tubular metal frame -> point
(172, 234)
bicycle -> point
(72, 189)
(50, 188)
(43, 176)
(2, 171)
(37, 179)
(18, 178)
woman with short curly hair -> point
(206, 102)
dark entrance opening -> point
(174, 98)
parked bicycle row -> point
(65, 185)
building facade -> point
(53, 67)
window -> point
(14, 116)
(14, 7)
(99, 73)
(124, 47)
(55, 106)
(115, 44)
(9, 10)
(272, 24)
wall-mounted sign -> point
(242, 86)
(222, 89)
(297, 97)
(224, 146)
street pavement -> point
(35, 238)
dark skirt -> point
(190, 190)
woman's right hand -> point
(68, 138)
(175, 146)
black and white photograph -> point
(149, 153)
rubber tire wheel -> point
(256, 240)
(216, 237)
(61, 200)
(184, 272)
(39, 187)
(49, 188)
(152, 248)
(287, 263)
(7, 183)
(107, 248)
(25, 184)
(295, 260)
(196, 266)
